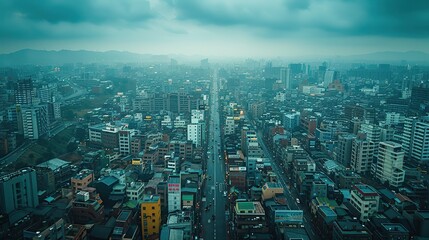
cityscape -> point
(195, 120)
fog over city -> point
(214, 119)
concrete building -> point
(390, 163)
(271, 189)
(291, 120)
(350, 229)
(125, 137)
(46, 230)
(32, 120)
(365, 199)
(174, 193)
(415, 138)
(135, 191)
(24, 91)
(285, 77)
(362, 155)
(150, 216)
(343, 151)
(86, 210)
(195, 133)
(249, 217)
(229, 127)
(18, 190)
(82, 180)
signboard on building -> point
(173, 187)
(288, 216)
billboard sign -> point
(288, 216)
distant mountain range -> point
(389, 57)
(43, 57)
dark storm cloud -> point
(80, 11)
(343, 17)
(63, 19)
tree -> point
(71, 146)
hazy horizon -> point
(292, 28)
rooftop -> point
(365, 190)
(249, 208)
(54, 164)
(394, 227)
(150, 198)
(124, 215)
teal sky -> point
(243, 28)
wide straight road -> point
(290, 194)
(213, 218)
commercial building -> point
(32, 120)
(362, 155)
(350, 229)
(82, 180)
(343, 151)
(390, 163)
(174, 193)
(415, 138)
(18, 190)
(150, 216)
(365, 199)
(249, 217)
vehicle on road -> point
(297, 201)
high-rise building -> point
(24, 91)
(32, 120)
(362, 155)
(124, 139)
(372, 132)
(415, 138)
(195, 133)
(285, 78)
(390, 163)
(419, 98)
(174, 193)
(330, 76)
(151, 216)
(18, 190)
(343, 150)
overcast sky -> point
(245, 28)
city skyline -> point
(217, 28)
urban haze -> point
(215, 119)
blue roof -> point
(109, 180)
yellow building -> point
(150, 215)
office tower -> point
(18, 190)
(32, 121)
(285, 78)
(330, 76)
(343, 150)
(362, 155)
(415, 139)
(174, 193)
(24, 91)
(390, 163)
(150, 210)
